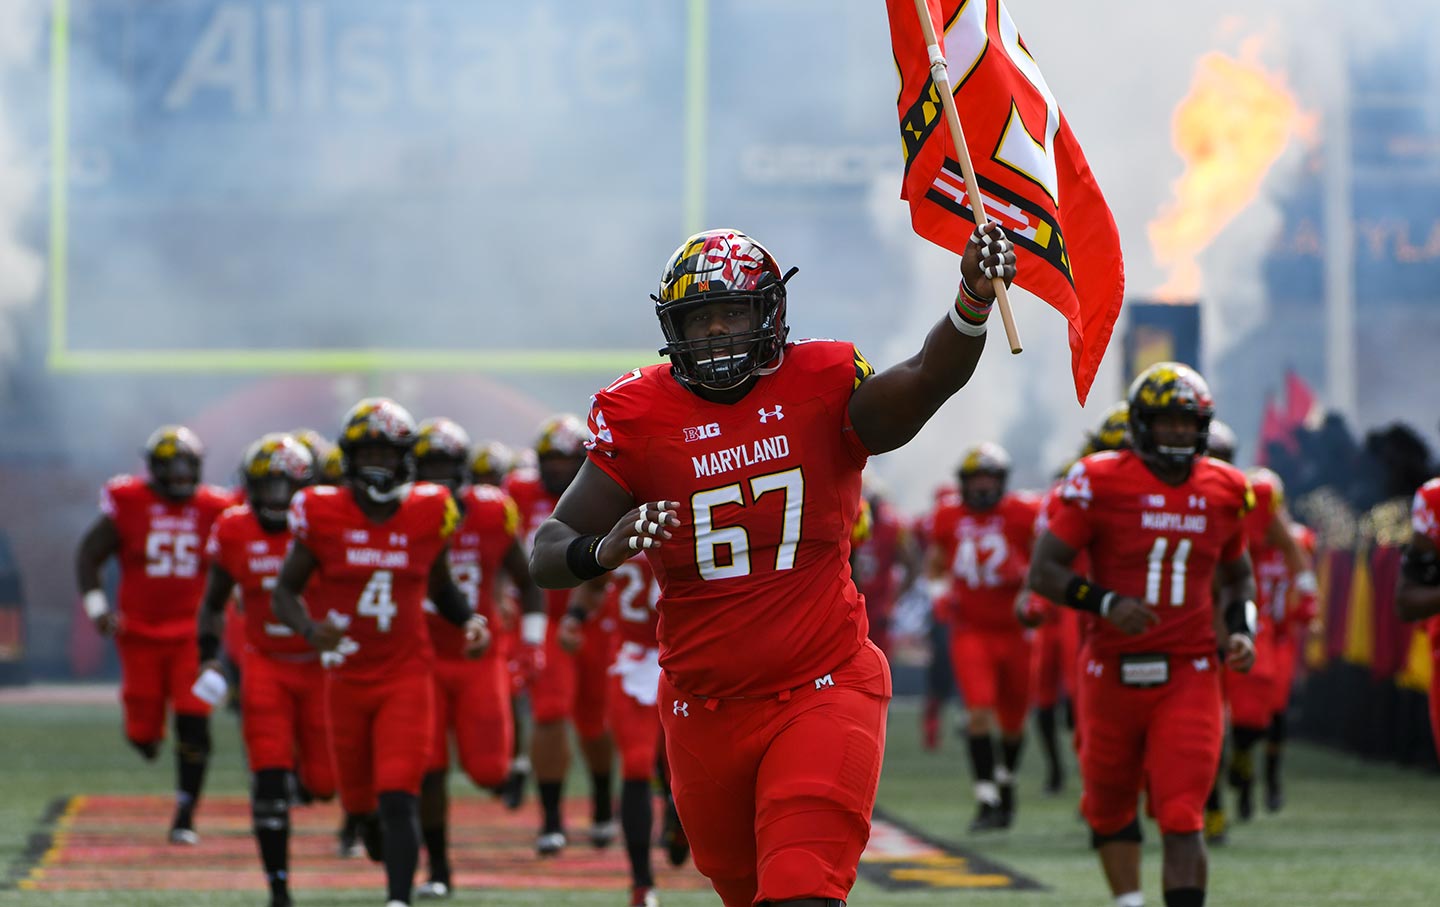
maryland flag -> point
(1033, 176)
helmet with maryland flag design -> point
(329, 465)
(1222, 442)
(1169, 387)
(273, 469)
(490, 463)
(560, 451)
(442, 448)
(173, 456)
(983, 472)
(378, 443)
(1111, 435)
(723, 266)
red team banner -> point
(1031, 171)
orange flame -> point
(1230, 130)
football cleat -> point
(644, 896)
(512, 791)
(349, 839)
(603, 834)
(432, 890)
(989, 817)
(185, 837)
(550, 843)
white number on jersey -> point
(1155, 569)
(708, 538)
(978, 561)
(376, 601)
(170, 553)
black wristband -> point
(1240, 617)
(578, 611)
(1083, 595)
(580, 557)
(209, 646)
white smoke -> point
(21, 267)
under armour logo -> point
(1094, 668)
(1202, 664)
(776, 415)
(681, 708)
(824, 682)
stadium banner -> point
(1159, 332)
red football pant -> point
(992, 671)
(283, 720)
(552, 693)
(472, 700)
(152, 674)
(1056, 647)
(1168, 735)
(1287, 656)
(1252, 695)
(1435, 699)
(776, 794)
(592, 677)
(636, 729)
(378, 734)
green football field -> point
(1352, 833)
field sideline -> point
(1352, 833)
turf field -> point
(76, 810)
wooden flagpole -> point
(940, 73)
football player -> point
(632, 593)
(1417, 595)
(570, 687)
(735, 467)
(283, 722)
(1161, 523)
(981, 547)
(472, 695)
(157, 526)
(365, 555)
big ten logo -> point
(701, 432)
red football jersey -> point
(633, 594)
(488, 528)
(372, 577)
(1425, 519)
(988, 554)
(253, 557)
(877, 559)
(1040, 606)
(162, 555)
(756, 595)
(1155, 542)
(535, 505)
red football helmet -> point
(723, 266)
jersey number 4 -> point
(709, 538)
(376, 600)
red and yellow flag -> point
(1031, 171)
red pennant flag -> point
(1031, 171)
(1300, 400)
(1273, 430)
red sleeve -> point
(608, 447)
(111, 493)
(1070, 520)
(857, 370)
(299, 515)
(214, 546)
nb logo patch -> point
(681, 708)
(776, 414)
